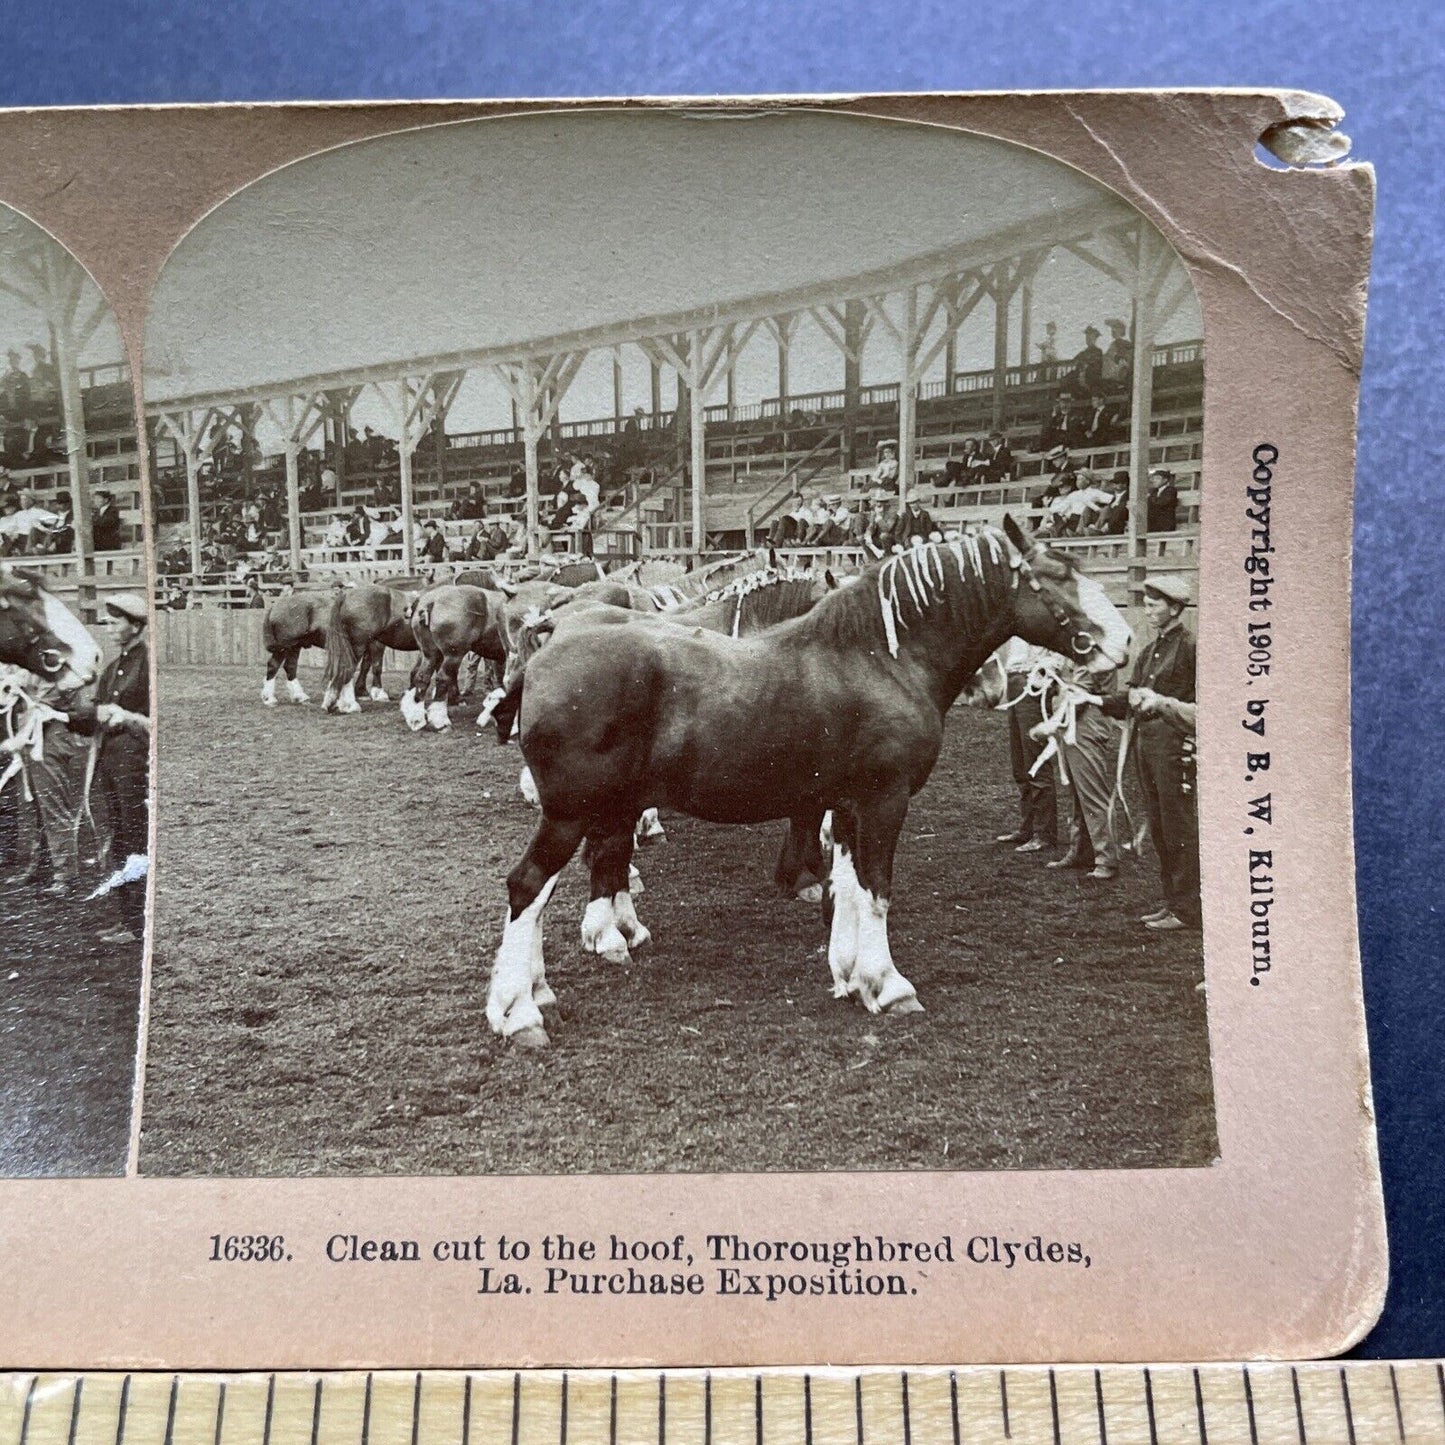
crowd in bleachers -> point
(30, 410)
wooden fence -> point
(223, 636)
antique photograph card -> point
(687, 732)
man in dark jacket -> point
(913, 521)
(1162, 503)
(119, 719)
(105, 524)
(1163, 754)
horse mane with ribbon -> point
(915, 581)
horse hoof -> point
(616, 955)
(543, 997)
(267, 701)
(532, 1037)
(380, 694)
(906, 1005)
(641, 935)
(415, 721)
(813, 893)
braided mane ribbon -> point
(24, 737)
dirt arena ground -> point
(69, 1011)
(330, 892)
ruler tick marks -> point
(171, 1409)
(858, 1405)
(807, 1410)
(1399, 1414)
(517, 1406)
(366, 1411)
(1349, 1412)
(1149, 1406)
(758, 1408)
(1199, 1409)
(75, 1409)
(907, 1421)
(29, 1402)
(562, 1423)
(1003, 1403)
(1299, 1409)
(271, 1406)
(1099, 1404)
(1054, 1406)
(220, 1412)
(467, 1408)
(707, 1408)
(953, 1403)
(316, 1412)
(120, 1418)
(1249, 1406)
(415, 1408)
(612, 1415)
(662, 1410)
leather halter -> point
(49, 660)
(1081, 643)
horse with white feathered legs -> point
(842, 709)
(450, 624)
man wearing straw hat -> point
(118, 723)
(1164, 751)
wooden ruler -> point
(1331, 1403)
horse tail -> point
(268, 629)
(340, 654)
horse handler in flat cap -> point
(118, 721)
(1164, 750)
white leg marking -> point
(812, 893)
(268, 692)
(649, 827)
(600, 933)
(379, 694)
(413, 713)
(328, 698)
(437, 716)
(843, 941)
(527, 785)
(295, 691)
(510, 1004)
(347, 701)
(489, 706)
(635, 885)
(634, 932)
(876, 981)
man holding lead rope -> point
(1160, 706)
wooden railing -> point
(797, 476)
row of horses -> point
(740, 696)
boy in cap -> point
(1088, 365)
(1163, 753)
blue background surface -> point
(1382, 64)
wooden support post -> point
(698, 439)
(534, 510)
(1152, 251)
(1002, 295)
(656, 391)
(854, 313)
(293, 497)
(907, 397)
(77, 458)
(408, 517)
(1026, 316)
(193, 501)
(617, 389)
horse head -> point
(40, 634)
(1062, 609)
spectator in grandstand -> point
(332, 483)
(999, 459)
(1061, 470)
(106, 524)
(820, 521)
(434, 543)
(583, 480)
(358, 529)
(1100, 422)
(253, 596)
(1162, 510)
(882, 523)
(974, 463)
(14, 390)
(1057, 502)
(474, 504)
(1088, 364)
(334, 539)
(791, 522)
(885, 473)
(1060, 424)
(40, 443)
(1085, 506)
(44, 380)
(1048, 348)
(1112, 519)
(1119, 359)
(517, 482)
(913, 525)
(61, 536)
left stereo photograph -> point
(74, 718)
